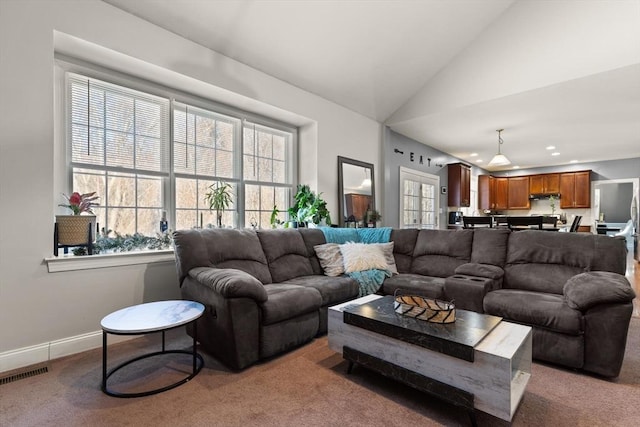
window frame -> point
(64, 65)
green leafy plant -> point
(106, 242)
(219, 198)
(552, 204)
(374, 216)
(274, 220)
(79, 203)
(309, 207)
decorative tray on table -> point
(431, 310)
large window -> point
(147, 156)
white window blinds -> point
(117, 128)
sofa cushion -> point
(481, 270)
(490, 246)
(544, 261)
(404, 242)
(610, 254)
(539, 309)
(414, 284)
(286, 254)
(597, 287)
(439, 252)
(333, 290)
(227, 248)
(287, 301)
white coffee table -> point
(494, 382)
(147, 318)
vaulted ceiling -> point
(446, 73)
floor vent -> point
(23, 375)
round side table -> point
(159, 316)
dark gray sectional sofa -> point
(265, 291)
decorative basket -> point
(74, 229)
(431, 310)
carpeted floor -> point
(306, 387)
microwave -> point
(455, 217)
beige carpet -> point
(306, 387)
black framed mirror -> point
(356, 191)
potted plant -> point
(309, 208)
(219, 198)
(76, 229)
(274, 220)
(373, 216)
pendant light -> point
(499, 159)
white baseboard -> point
(40, 353)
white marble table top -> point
(152, 316)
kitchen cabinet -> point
(501, 196)
(544, 184)
(493, 193)
(575, 190)
(486, 192)
(518, 193)
(459, 185)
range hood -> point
(543, 196)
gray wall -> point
(393, 161)
(615, 199)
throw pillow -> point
(330, 259)
(387, 251)
(362, 256)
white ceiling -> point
(445, 73)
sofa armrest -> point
(230, 283)
(586, 290)
(487, 271)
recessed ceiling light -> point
(551, 147)
(479, 161)
(516, 167)
(555, 153)
(573, 161)
(473, 154)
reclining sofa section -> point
(265, 291)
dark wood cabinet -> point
(544, 184)
(459, 185)
(501, 196)
(486, 192)
(575, 190)
(518, 197)
(357, 205)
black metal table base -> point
(440, 390)
(198, 363)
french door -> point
(419, 200)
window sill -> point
(88, 262)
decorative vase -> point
(75, 229)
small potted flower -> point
(77, 229)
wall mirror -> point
(356, 190)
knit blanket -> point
(369, 281)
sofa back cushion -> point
(439, 252)
(490, 246)
(313, 237)
(543, 260)
(404, 242)
(221, 248)
(286, 254)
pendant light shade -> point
(499, 159)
